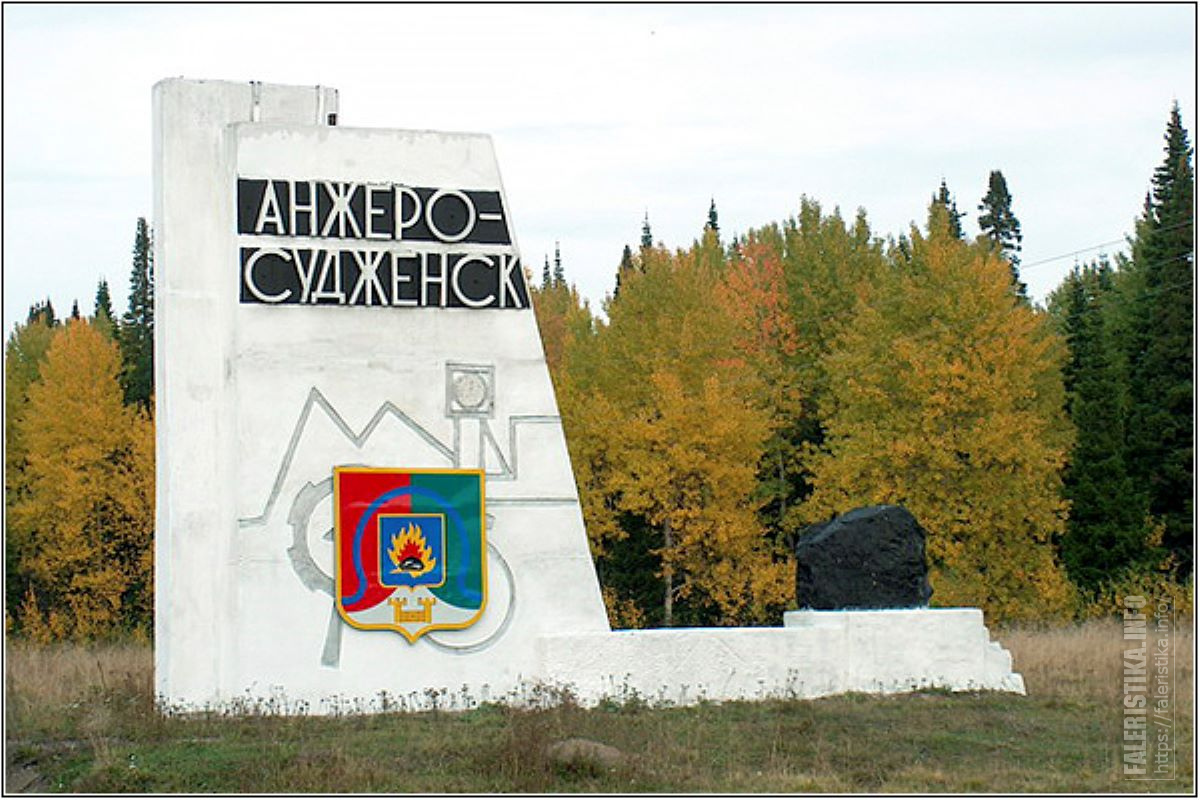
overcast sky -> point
(601, 114)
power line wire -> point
(1032, 264)
(1095, 247)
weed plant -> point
(83, 719)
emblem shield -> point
(409, 548)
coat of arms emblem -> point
(409, 549)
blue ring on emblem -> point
(373, 509)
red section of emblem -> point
(356, 492)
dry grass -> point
(1083, 662)
(37, 677)
(82, 719)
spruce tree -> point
(75, 310)
(105, 319)
(559, 278)
(624, 267)
(711, 223)
(999, 224)
(43, 313)
(647, 239)
(735, 247)
(546, 273)
(1161, 325)
(943, 198)
(1107, 529)
(137, 328)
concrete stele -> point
(256, 404)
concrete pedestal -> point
(816, 653)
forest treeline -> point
(79, 465)
(732, 394)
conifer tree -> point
(624, 267)
(1107, 531)
(953, 216)
(44, 313)
(735, 247)
(711, 222)
(546, 273)
(647, 238)
(559, 278)
(626, 259)
(137, 328)
(75, 310)
(103, 316)
(1160, 343)
(1000, 225)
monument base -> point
(815, 654)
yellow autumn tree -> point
(827, 262)
(945, 396)
(562, 316)
(88, 514)
(665, 430)
(24, 353)
(754, 291)
(791, 286)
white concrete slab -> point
(816, 653)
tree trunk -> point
(782, 490)
(668, 576)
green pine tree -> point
(546, 273)
(137, 328)
(647, 238)
(999, 224)
(1159, 347)
(559, 277)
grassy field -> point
(83, 720)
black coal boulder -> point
(871, 557)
